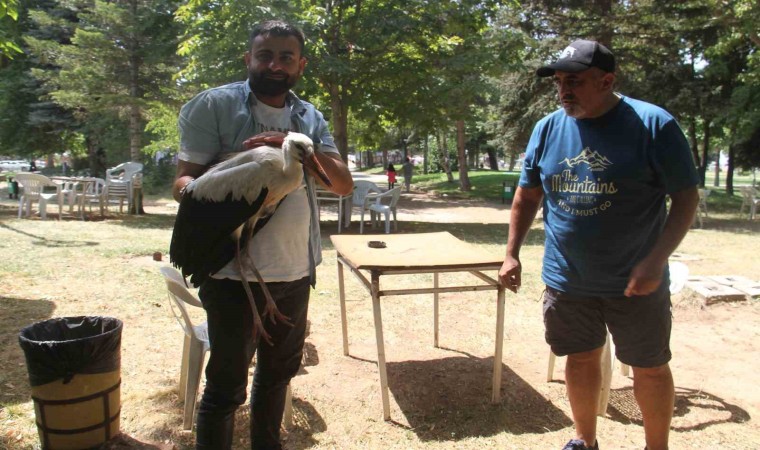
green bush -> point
(158, 177)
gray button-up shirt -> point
(218, 120)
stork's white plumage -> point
(219, 211)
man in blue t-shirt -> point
(602, 167)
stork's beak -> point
(313, 165)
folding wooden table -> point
(434, 253)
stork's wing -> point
(202, 241)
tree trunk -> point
(493, 160)
(473, 158)
(135, 115)
(706, 149)
(92, 156)
(701, 165)
(443, 156)
(340, 120)
(730, 170)
(425, 156)
(464, 179)
(703, 168)
(605, 32)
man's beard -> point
(261, 84)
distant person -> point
(391, 172)
(32, 166)
(408, 169)
(65, 163)
(602, 166)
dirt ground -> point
(440, 397)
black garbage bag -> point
(66, 346)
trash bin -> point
(509, 186)
(74, 366)
(12, 188)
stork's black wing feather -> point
(202, 241)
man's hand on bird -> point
(273, 138)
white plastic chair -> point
(362, 188)
(195, 347)
(679, 274)
(750, 200)
(120, 183)
(68, 192)
(95, 192)
(34, 186)
(385, 204)
(196, 342)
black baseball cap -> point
(579, 56)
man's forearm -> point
(180, 184)
(186, 172)
(337, 172)
(524, 209)
(682, 208)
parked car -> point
(14, 165)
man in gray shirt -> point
(287, 249)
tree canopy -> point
(86, 74)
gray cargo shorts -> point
(640, 326)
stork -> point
(219, 211)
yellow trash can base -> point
(81, 414)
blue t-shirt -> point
(605, 181)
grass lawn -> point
(488, 185)
(439, 396)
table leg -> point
(340, 213)
(496, 393)
(380, 346)
(435, 310)
(81, 201)
(347, 213)
(342, 295)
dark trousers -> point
(230, 327)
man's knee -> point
(591, 357)
(224, 397)
(661, 372)
(279, 373)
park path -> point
(421, 206)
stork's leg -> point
(258, 325)
(271, 309)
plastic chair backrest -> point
(361, 189)
(395, 197)
(124, 171)
(748, 194)
(387, 198)
(679, 274)
(96, 188)
(179, 296)
(34, 183)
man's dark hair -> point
(277, 28)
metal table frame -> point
(372, 284)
